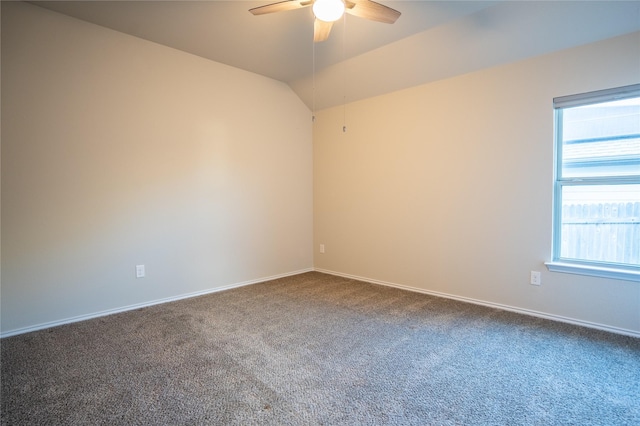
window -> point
(596, 223)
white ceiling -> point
(431, 40)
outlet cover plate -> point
(535, 278)
(140, 272)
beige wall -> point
(447, 187)
(117, 152)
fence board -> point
(607, 232)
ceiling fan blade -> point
(321, 30)
(373, 11)
(280, 6)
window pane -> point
(601, 139)
(601, 223)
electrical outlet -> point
(535, 278)
(140, 271)
(322, 248)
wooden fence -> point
(601, 232)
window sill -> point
(594, 271)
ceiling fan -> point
(329, 11)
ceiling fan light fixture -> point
(328, 10)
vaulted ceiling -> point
(431, 40)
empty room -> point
(248, 212)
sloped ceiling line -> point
(432, 40)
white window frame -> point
(575, 266)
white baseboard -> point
(145, 304)
(529, 312)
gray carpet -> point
(315, 349)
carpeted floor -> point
(316, 349)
